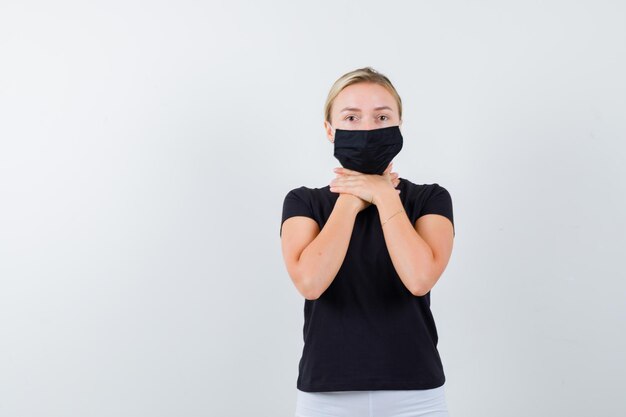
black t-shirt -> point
(367, 331)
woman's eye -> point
(348, 117)
(387, 117)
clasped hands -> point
(368, 188)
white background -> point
(146, 148)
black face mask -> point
(367, 151)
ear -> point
(329, 132)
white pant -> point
(378, 403)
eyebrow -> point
(357, 109)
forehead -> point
(365, 96)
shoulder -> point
(438, 191)
(301, 191)
(426, 199)
(423, 190)
(309, 193)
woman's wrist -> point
(350, 202)
(385, 197)
(388, 204)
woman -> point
(365, 252)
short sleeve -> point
(439, 202)
(296, 203)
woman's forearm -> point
(321, 259)
(411, 256)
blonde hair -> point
(366, 74)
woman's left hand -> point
(368, 187)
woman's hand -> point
(367, 187)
